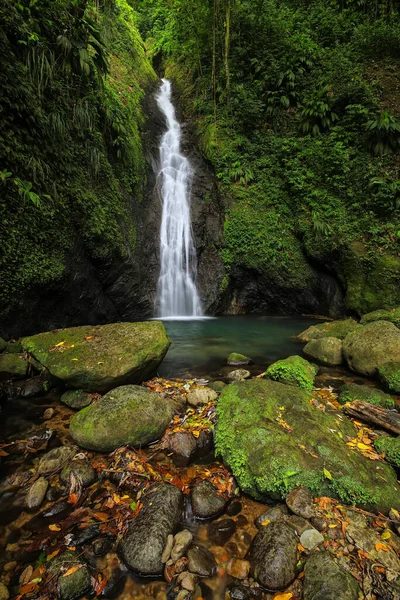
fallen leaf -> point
(54, 527)
(266, 522)
(301, 548)
(382, 547)
(283, 596)
(72, 570)
(386, 535)
(327, 474)
(100, 516)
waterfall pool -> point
(200, 346)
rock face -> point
(328, 350)
(366, 393)
(273, 556)
(337, 329)
(142, 546)
(258, 417)
(130, 414)
(293, 371)
(371, 346)
(389, 374)
(99, 358)
(325, 580)
(206, 502)
(12, 366)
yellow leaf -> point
(332, 526)
(72, 570)
(59, 344)
(74, 359)
(386, 535)
(283, 596)
(362, 446)
(327, 474)
(54, 527)
(266, 522)
(396, 513)
(382, 547)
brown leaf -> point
(72, 570)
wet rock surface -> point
(239, 375)
(56, 459)
(201, 561)
(371, 346)
(79, 469)
(300, 502)
(76, 584)
(325, 580)
(219, 532)
(328, 351)
(206, 502)
(36, 493)
(76, 399)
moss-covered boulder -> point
(273, 439)
(328, 350)
(77, 583)
(371, 346)
(392, 315)
(294, 370)
(238, 360)
(389, 374)
(130, 414)
(365, 393)
(337, 329)
(76, 399)
(391, 447)
(101, 357)
(12, 366)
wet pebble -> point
(48, 414)
(4, 593)
(54, 460)
(234, 508)
(182, 541)
(298, 523)
(237, 592)
(272, 514)
(201, 561)
(311, 538)
(36, 493)
(81, 469)
(166, 555)
(319, 523)
(239, 375)
(238, 568)
(206, 502)
(219, 532)
(187, 581)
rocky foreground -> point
(251, 487)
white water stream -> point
(177, 294)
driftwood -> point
(381, 417)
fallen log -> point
(375, 415)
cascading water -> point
(177, 294)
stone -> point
(76, 584)
(76, 399)
(3, 345)
(106, 356)
(182, 541)
(237, 592)
(371, 346)
(266, 432)
(142, 546)
(187, 581)
(217, 386)
(239, 375)
(219, 532)
(319, 523)
(389, 374)
(36, 493)
(28, 388)
(238, 360)
(81, 469)
(12, 366)
(201, 396)
(391, 447)
(275, 513)
(48, 414)
(311, 538)
(130, 414)
(56, 459)
(294, 370)
(328, 351)
(337, 329)
(273, 556)
(300, 502)
(325, 580)
(183, 445)
(14, 348)
(166, 555)
(298, 523)
(366, 393)
(4, 593)
(392, 315)
(366, 539)
(201, 561)
(238, 568)
(206, 502)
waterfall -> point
(177, 294)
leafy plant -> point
(317, 115)
(383, 133)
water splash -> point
(177, 294)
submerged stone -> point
(273, 439)
(206, 502)
(371, 346)
(101, 357)
(130, 414)
(239, 375)
(294, 370)
(366, 393)
(337, 329)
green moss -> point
(391, 447)
(12, 366)
(389, 374)
(365, 393)
(294, 370)
(338, 329)
(392, 315)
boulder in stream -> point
(338, 329)
(327, 350)
(371, 346)
(130, 414)
(238, 360)
(273, 439)
(142, 546)
(76, 399)
(206, 502)
(293, 370)
(392, 315)
(389, 374)
(101, 357)
(325, 580)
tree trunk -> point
(227, 41)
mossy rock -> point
(294, 370)
(12, 366)
(76, 399)
(389, 374)
(328, 350)
(365, 393)
(14, 348)
(3, 345)
(217, 386)
(337, 329)
(238, 360)
(391, 447)
(130, 414)
(76, 584)
(371, 346)
(273, 439)
(101, 357)
(392, 315)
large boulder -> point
(365, 393)
(101, 357)
(12, 366)
(130, 414)
(371, 346)
(392, 315)
(328, 350)
(273, 439)
(325, 580)
(142, 547)
(389, 374)
(294, 370)
(337, 329)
